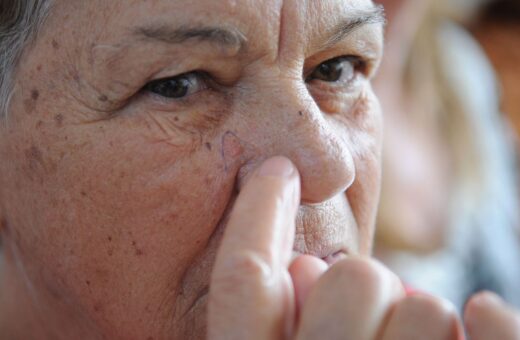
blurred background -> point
(449, 86)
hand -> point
(255, 293)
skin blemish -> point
(103, 98)
(300, 113)
(30, 103)
(98, 307)
(55, 44)
(208, 146)
(59, 120)
(35, 94)
(4, 225)
(232, 147)
(34, 157)
(39, 68)
(138, 251)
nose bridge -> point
(295, 127)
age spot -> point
(55, 44)
(34, 157)
(103, 98)
(59, 120)
(35, 94)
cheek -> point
(127, 216)
(365, 136)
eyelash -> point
(203, 79)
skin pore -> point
(134, 125)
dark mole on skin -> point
(103, 98)
(138, 252)
(35, 94)
(55, 44)
(208, 146)
(300, 113)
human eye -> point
(343, 70)
(177, 87)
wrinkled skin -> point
(113, 199)
(120, 206)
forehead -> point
(259, 19)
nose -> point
(293, 125)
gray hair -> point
(19, 21)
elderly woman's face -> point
(134, 125)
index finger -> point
(251, 290)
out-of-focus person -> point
(498, 31)
(448, 216)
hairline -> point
(20, 22)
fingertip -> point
(305, 271)
(479, 304)
(278, 166)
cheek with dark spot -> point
(34, 157)
(55, 44)
(30, 103)
(59, 120)
(36, 163)
(231, 148)
(35, 94)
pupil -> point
(172, 88)
(331, 71)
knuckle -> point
(245, 268)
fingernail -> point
(277, 167)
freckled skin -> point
(119, 233)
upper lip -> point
(322, 231)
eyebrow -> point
(230, 38)
(375, 15)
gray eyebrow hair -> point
(226, 37)
(375, 15)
